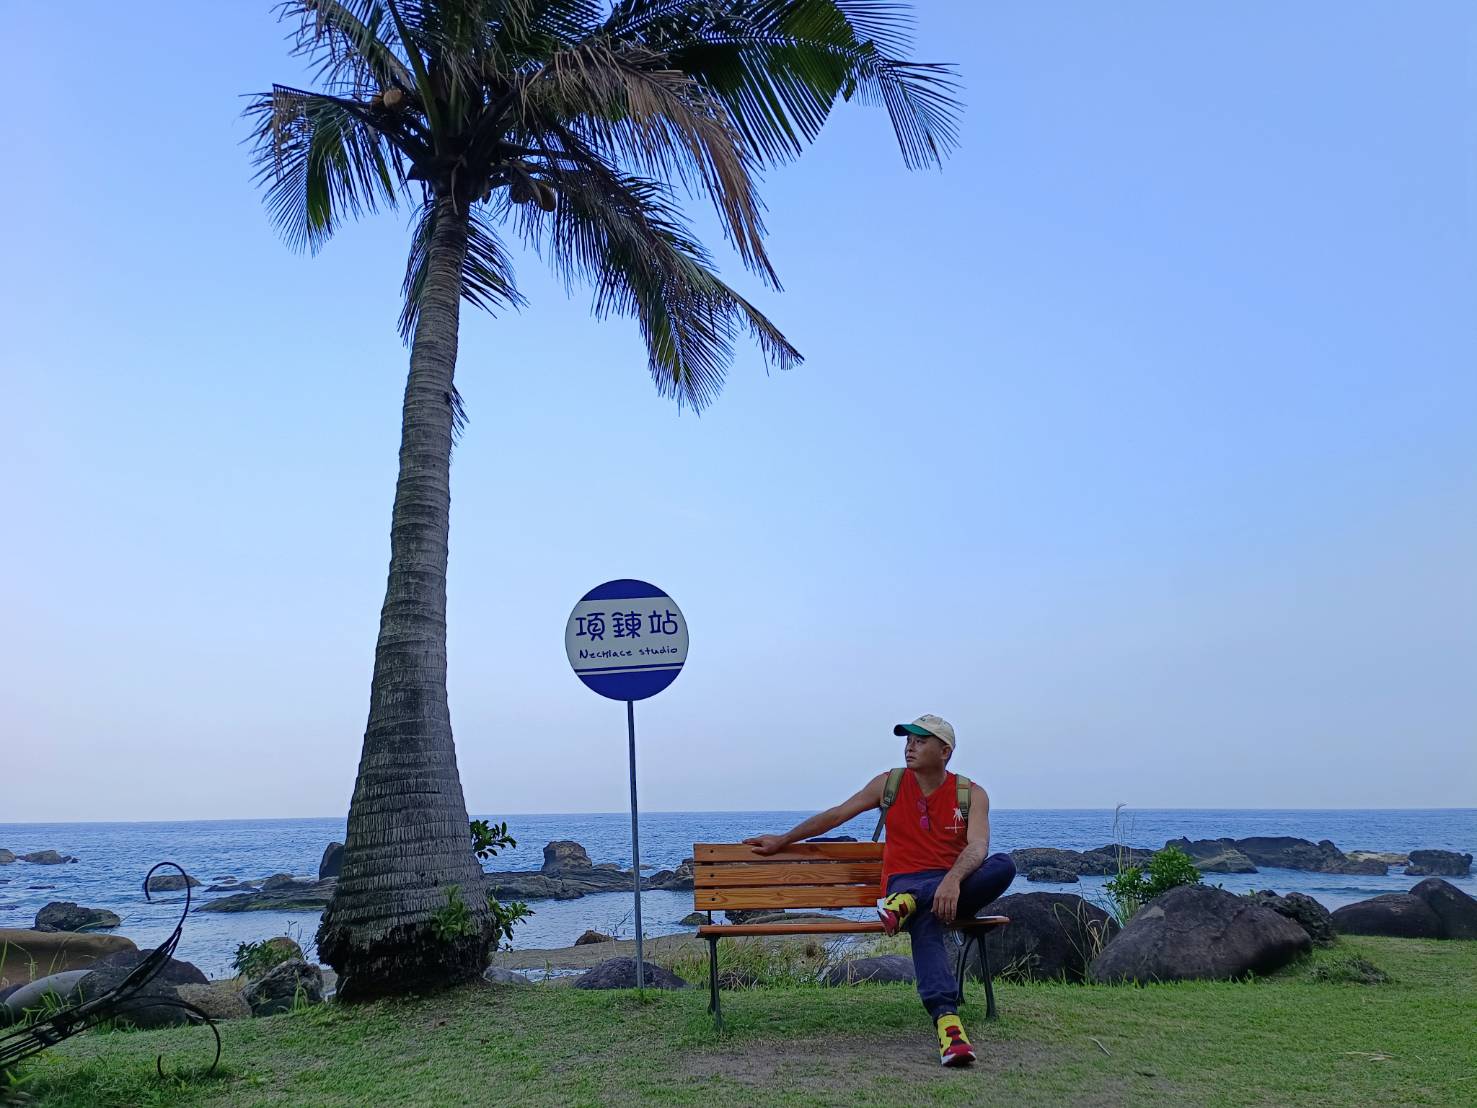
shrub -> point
(255, 959)
(487, 840)
(1348, 969)
(1134, 887)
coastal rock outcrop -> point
(1456, 910)
(332, 861)
(1438, 863)
(563, 855)
(1051, 873)
(1286, 852)
(1101, 862)
(64, 915)
(593, 936)
(283, 986)
(1214, 855)
(1398, 915)
(1389, 857)
(6, 857)
(672, 880)
(620, 973)
(289, 896)
(1304, 911)
(171, 883)
(1196, 932)
(1051, 937)
(882, 968)
(112, 970)
(47, 858)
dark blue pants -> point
(932, 964)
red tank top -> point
(923, 832)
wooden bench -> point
(806, 875)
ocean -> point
(113, 858)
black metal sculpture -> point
(116, 1003)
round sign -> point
(626, 639)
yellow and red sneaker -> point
(896, 910)
(954, 1048)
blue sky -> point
(1139, 442)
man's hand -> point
(766, 844)
(946, 899)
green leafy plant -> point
(487, 839)
(1135, 886)
(255, 959)
(1348, 969)
(454, 920)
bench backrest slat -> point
(787, 896)
(798, 852)
(729, 875)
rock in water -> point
(1052, 936)
(1389, 857)
(1304, 911)
(64, 915)
(694, 919)
(1398, 915)
(171, 883)
(47, 858)
(1214, 856)
(6, 857)
(620, 973)
(565, 854)
(883, 968)
(593, 937)
(1286, 852)
(1438, 863)
(1196, 932)
(1455, 909)
(333, 861)
(1051, 873)
(280, 988)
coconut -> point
(545, 196)
(393, 98)
(520, 190)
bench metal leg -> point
(963, 965)
(985, 971)
(715, 1006)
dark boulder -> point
(332, 861)
(1456, 910)
(620, 973)
(1118, 856)
(6, 857)
(47, 858)
(693, 919)
(1399, 915)
(277, 882)
(1214, 855)
(1051, 873)
(295, 896)
(1438, 863)
(1072, 861)
(883, 968)
(171, 882)
(160, 989)
(1196, 932)
(220, 1000)
(1051, 936)
(64, 915)
(678, 880)
(1304, 911)
(590, 937)
(283, 986)
(771, 915)
(565, 854)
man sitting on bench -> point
(935, 867)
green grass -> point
(1288, 1039)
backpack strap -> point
(889, 794)
(963, 793)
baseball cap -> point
(940, 729)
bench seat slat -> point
(738, 874)
(831, 927)
(787, 896)
(796, 852)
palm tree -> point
(568, 125)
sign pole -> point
(635, 843)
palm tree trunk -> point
(408, 841)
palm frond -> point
(626, 235)
(348, 40)
(487, 272)
(321, 162)
(630, 106)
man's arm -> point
(976, 850)
(870, 796)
